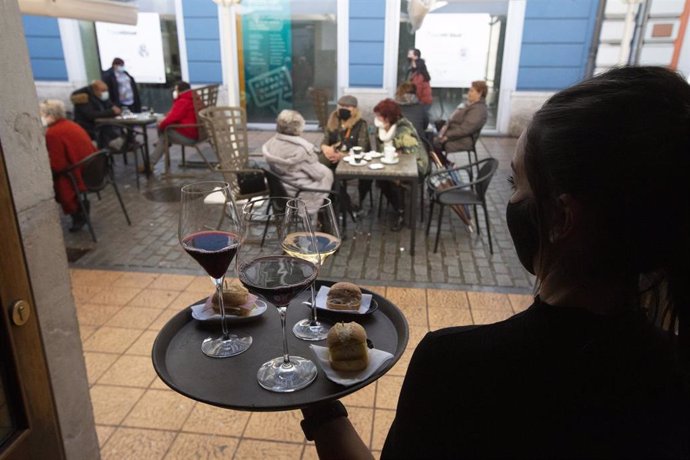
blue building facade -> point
(556, 40)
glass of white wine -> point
(327, 236)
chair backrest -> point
(228, 130)
(319, 99)
(486, 173)
(276, 188)
(475, 137)
(204, 97)
(95, 171)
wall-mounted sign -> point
(455, 48)
(267, 46)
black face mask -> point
(344, 114)
(522, 225)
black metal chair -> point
(96, 174)
(470, 151)
(130, 144)
(471, 194)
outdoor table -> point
(231, 382)
(141, 120)
(404, 171)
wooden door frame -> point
(40, 436)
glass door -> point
(287, 51)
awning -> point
(87, 10)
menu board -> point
(267, 51)
(455, 48)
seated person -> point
(67, 144)
(294, 159)
(397, 131)
(345, 129)
(181, 113)
(598, 366)
(456, 135)
(92, 102)
(122, 88)
(411, 108)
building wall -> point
(367, 30)
(202, 38)
(556, 39)
(29, 173)
(45, 48)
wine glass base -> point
(276, 376)
(305, 330)
(225, 348)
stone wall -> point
(37, 212)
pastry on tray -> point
(347, 347)
(344, 296)
(236, 300)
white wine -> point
(298, 245)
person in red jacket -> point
(67, 144)
(181, 113)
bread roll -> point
(347, 346)
(344, 296)
(235, 299)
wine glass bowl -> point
(269, 272)
(209, 231)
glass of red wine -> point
(268, 271)
(210, 230)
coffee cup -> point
(355, 151)
(389, 153)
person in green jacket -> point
(395, 130)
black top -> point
(88, 107)
(550, 382)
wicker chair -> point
(227, 127)
(319, 99)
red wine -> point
(278, 278)
(213, 250)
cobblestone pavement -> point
(371, 253)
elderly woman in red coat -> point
(67, 144)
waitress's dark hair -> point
(620, 144)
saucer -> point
(376, 166)
(352, 162)
(390, 162)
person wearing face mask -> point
(122, 89)
(67, 143)
(181, 113)
(456, 134)
(597, 366)
(345, 129)
(395, 130)
(92, 102)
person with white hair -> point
(67, 144)
(295, 159)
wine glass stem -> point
(314, 319)
(283, 320)
(219, 289)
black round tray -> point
(231, 382)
